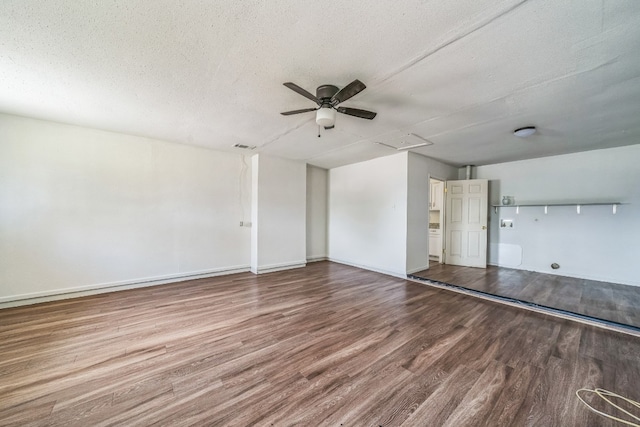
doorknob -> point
(484, 227)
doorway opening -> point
(436, 219)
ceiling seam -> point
(424, 56)
(533, 86)
(287, 132)
(335, 149)
(412, 63)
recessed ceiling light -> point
(525, 131)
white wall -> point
(82, 209)
(317, 198)
(595, 244)
(379, 212)
(368, 214)
(278, 237)
(420, 168)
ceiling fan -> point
(328, 97)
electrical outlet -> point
(506, 223)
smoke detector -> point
(525, 131)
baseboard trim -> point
(415, 270)
(66, 293)
(279, 267)
(367, 267)
(317, 258)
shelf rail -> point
(578, 205)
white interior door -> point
(466, 222)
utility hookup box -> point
(506, 223)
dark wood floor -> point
(323, 345)
(602, 300)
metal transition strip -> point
(608, 324)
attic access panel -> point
(405, 142)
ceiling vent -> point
(245, 147)
(406, 142)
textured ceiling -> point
(460, 73)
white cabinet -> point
(437, 195)
(435, 243)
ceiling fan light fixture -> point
(525, 131)
(326, 116)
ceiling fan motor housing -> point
(325, 92)
(326, 116)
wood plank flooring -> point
(602, 300)
(326, 345)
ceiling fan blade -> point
(294, 87)
(353, 88)
(363, 114)
(304, 110)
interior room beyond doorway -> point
(436, 219)
(606, 301)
